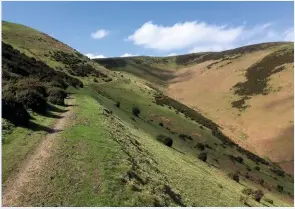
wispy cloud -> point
(94, 56)
(128, 55)
(200, 36)
(289, 34)
(171, 54)
(99, 34)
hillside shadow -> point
(55, 109)
(37, 127)
(51, 115)
(70, 105)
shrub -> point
(279, 172)
(247, 191)
(208, 146)
(95, 80)
(118, 104)
(268, 200)
(257, 168)
(165, 140)
(239, 159)
(14, 112)
(56, 96)
(161, 124)
(280, 188)
(258, 194)
(32, 99)
(203, 156)
(135, 111)
(235, 177)
(200, 146)
(261, 182)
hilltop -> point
(118, 138)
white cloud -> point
(128, 55)
(210, 48)
(289, 34)
(100, 34)
(200, 36)
(171, 54)
(94, 56)
(182, 35)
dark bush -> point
(247, 191)
(268, 200)
(95, 80)
(280, 188)
(208, 146)
(135, 111)
(258, 194)
(239, 159)
(118, 104)
(165, 140)
(184, 137)
(235, 176)
(200, 146)
(161, 124)
(278, 172)
(14, 112)
(203, 156)
(257, 168)
(56, 96)
(32, 99)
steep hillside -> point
(119, 140)
(248, 91)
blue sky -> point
(155, 28)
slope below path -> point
(12, 189)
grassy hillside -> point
(235, 89)
(126, 143)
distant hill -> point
(248, 91)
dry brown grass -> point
(266, 127)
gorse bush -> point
(203, 156)
(258, 194)
(200, 146)
(235, 176)
(165, 140)
(118, 104)
(56, 96)
(280, 188)
(28, 84)
(135, 111)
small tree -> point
(135, 111)
(161, 124)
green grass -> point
(19, 142)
